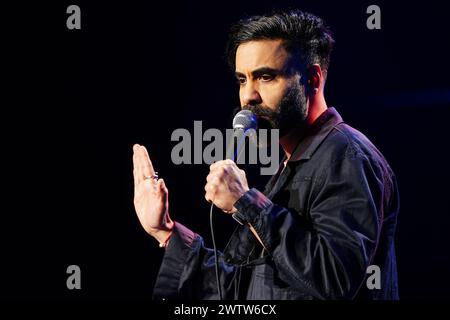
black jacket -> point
(324, 219)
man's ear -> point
(315, 77)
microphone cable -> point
(216, 260)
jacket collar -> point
(316, 133)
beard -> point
(291, 112)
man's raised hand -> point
(151, 197)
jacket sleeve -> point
(188, 270)
(327, 257)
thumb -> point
(162, 189)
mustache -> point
(260, 111)
(267, 118)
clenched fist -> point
(226, 183)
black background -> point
(136, 71)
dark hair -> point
(304, 35)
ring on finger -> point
(153, 176)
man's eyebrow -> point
(264, 70)
(259, 72)
(239, 75)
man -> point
(327, 214)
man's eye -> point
(266, 77)
(241, 81)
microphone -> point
(244, 120)
(245, 124)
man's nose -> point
(250, 95)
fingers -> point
(210, 192)
(215, 178)
(225, 184)
(221, 163)
(212, 186)
(142, 165)
(162, 190)
(217, 175)
(224, 168)
(146, 163)
(157, 189)
(137, 174)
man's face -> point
(270, 86)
